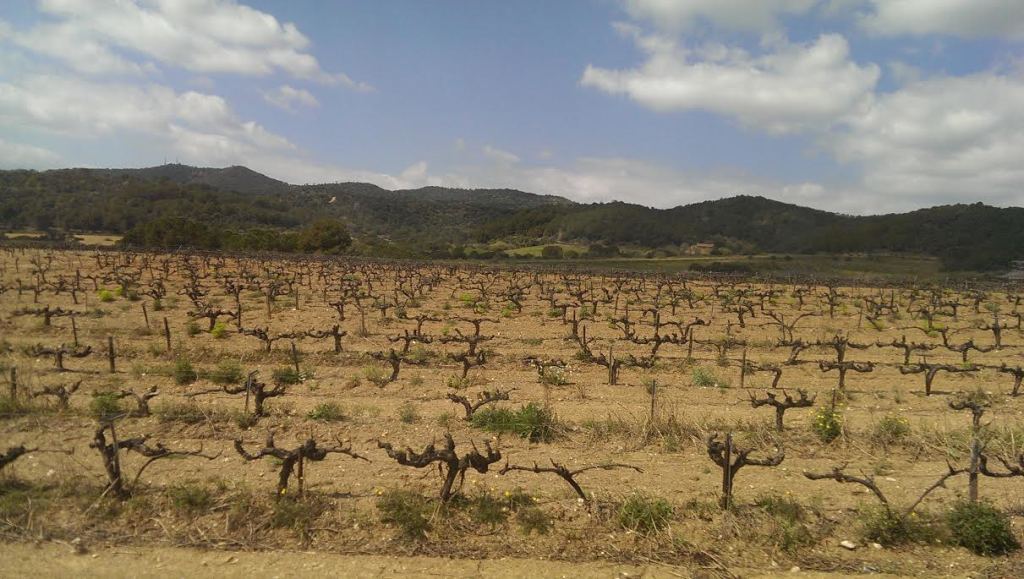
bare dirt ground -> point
(223, 511)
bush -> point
(188, 413)
(890, 528)
(219, 331)
(645, 514)
(554, 376)
(486, 509)
(105, 405)
(788, 516)
(227, 372)
(890, 430)
(704, 378)
(551, 252)
(287, 376)
(327, 412)
(184, 373)
(193, 329)
(376, 376)
(105, 295)
(981, 528)
(296, 513)
(532, 519)
(407, 413)
(828, 423)
(781, 507)
(406, 509)
(190, 498)
(534, 422)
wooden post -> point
(743, 368)
(972, 474)
(654, 398)
(74, 330)
(145, 315)
(110, 353)
(727, 473)
(301, 473)
(612, 378)
(295, 358)
(248, 389)
(167, 334)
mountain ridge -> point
(430, 221)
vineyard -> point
(704, 423)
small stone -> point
(794, 569)
(849, 545)
(876, 545)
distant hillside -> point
(236, 178)
(431, 221)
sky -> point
(854, 106)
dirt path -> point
(59, 560)
(55, 560)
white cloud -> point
(202, 36)
(789, 88)
(746, 15)
(961, 18)
(20, 156)
(942, 138)
(78, 49)
(199, 126)
(289, 98)
(499, 155)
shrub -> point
(105, 295)
(219, 331)
(456, 382)
(286, 375)
(407, 413)
(551, 252)
(981, 528)
(193, 329)
(406, 509)
(532, 519)
(188, 413)
(227, 372)
(704, 378)
(296, 513)
(327, 412)
(376, 376)
(788, 531)
(553, 376)
(890, 429)
(445, 419)
(190, 498)
(645, 514)
(828, 423)
(486, 509)
(184, 373)
(105, 405)
(890, 528)
(781, 507)
(534, 422)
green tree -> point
(551, 252)
(324, 236)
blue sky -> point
(858, 106)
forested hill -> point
(431, 220)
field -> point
(625, 384)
